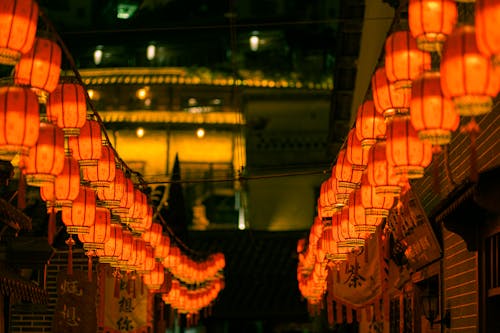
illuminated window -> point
(125, 10)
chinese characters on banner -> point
(76, 304)
(129, 312)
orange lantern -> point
(110, 196)
(387, 99)
(356, 155)
(316, 230)
(432, 115)
(40, 68)
(341, 192)
(140, 225)
(46, 159)
(102, 174)
(127, 199)
(162, 249)
(67, 108)
(153, 234)
(138, 254)
(486, 24)
(404, 61)
(370, 125)
(66, 186)
(431, 21)
(348, 180)
(138, 211)
(357, 217)
(344, 234)
(327, 247)
(149, 262)
(113, 247)
(155, 278)
(467, 76)
(19, 121)
(99, 231)
(380, 172)
(376, 206)
(81, 215)
(86, 147)
(127, 248)
(18, 22)
(327, 201)
(405, 151)
(174, 257)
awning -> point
(12, 284)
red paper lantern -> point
(328, 249)
(67, 108)
(431, 21)
(81, 215)
(40, 68)
(46, 158)
(432, 115)
(110, 196)
(356, 155)
(18, 22)
(155, 278)
(174, 257)
(386, 98)
(126, 253)
(87, 147)
(486, 23)
(138, 211)
(138, 254)
(467, 76)
(19, 121)
(370, 125)
(149, 262)
(113, 247)
(380, 172)
(66, 186)
(153, 235)
(162, 249)
(127, 199)
(99, 232)
(364, 226)
(344, 234)
(347, 178)
(405, 151)
(404, 62)
(102, 174)
(376, 206)
(316, 230)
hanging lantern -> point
(405, 151)
(138, 254)
(140, 225)
(19, 121)
(467, 76)
(432, 115)
(356, 155)
(486, 24)
(386, 98)
(316, 230)
(138, 211)
(357, 217)
(102, 174)
(153, 234)
(347, 179)
(18, 22)
(67, 108)
(127, 248)
(110, 196)
(46, 159)
(431, 21)
(113, 247)
(155, 278)
(39, 68)
(149, 262)
(327, 247)
(87, 146)
(376, 206)
(66, 186)
(126, 201)
(380, 172)
(81, 215)
(404, 62)
(341, 191)
(162, 249)
(174, 257)
(344, 234)
(370, 125)
(99, 232)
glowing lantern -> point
(432, 115)
(316, 230)
(113, 247)
(138, 211)
(155, 278)
(127, 199)
(18, 21)
(81, 215)
(486, 24)
(174, 257)
(344, 234)
(19, 121)
(102, 174)
(39, 68)
(162, 249)
(341, 191)
(405, 151)
(327, 247)
(347, 179)
(431, 21)
(99, 231)
(404, 62)
(46, 159)
(370, 125)
(380, 173)
(327, 201)
(376, 206)
(149, 262)
(153, 234)
(67, 108)
(110, 196)
(138, 254)
(66, 186)
(357, 217)
(86, 147)
(140, 225)
(174, 293)
(126, 253)
(467, 76)
(387, 99)
(356, 155)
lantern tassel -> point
(51, 228)
(70, 242)
(21, 192)
(472, 128)
(117, 277)
(89, 264)
(436, 150)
